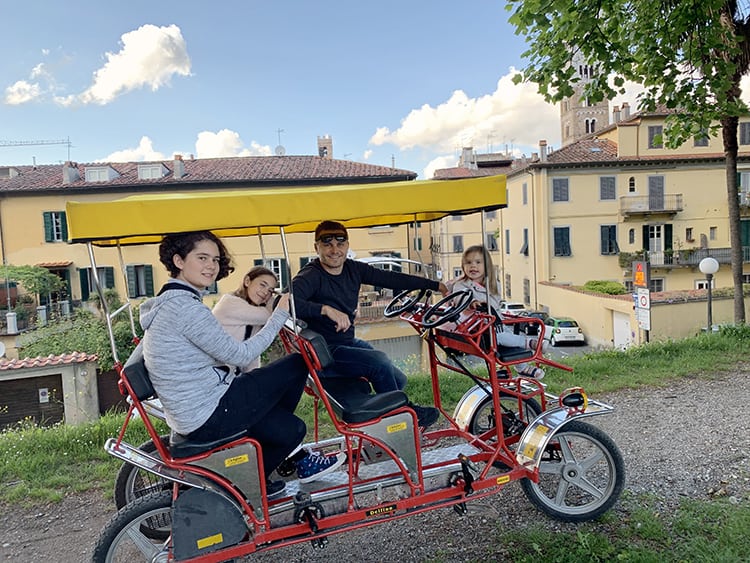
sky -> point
(392, 82)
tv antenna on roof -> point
(38, 143)
(280, 150)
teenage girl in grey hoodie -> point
(187, 352)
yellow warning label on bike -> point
(236, 460)
(503, 479)
(398, 427)
(533, 440)
(210, 540)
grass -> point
(44, 464)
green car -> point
(563, 329)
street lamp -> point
(709, 266)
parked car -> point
(513, 308)
(532, 329)
(563, 329)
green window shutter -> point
(668, 236)
(604, 239)
(132, 286)
(83, 274)
(109, 278)
(48, 231)
(303, 261)
(64, 225)
(148, 272)
(284, 274)
(645, 237)
(745, 232)
(258, 262)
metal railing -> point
(670, 203)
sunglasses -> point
(327, 239)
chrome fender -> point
(538, 434)
(467, 407)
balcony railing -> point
(644, 205)
(682, 258)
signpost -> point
(642, 295)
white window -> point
(151, 171)
(100, 173)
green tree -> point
(689, 56)
(84, 332)
(34, 279)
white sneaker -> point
(530, 370)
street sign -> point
(643, 308)
(640, 274)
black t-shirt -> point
(314, 287)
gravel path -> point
(686, 440)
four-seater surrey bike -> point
(210, 505)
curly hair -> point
(182, 243)
(253, 273)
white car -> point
(563, 329)
(510, 308)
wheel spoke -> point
(562, 491)
(595, 457)
(144, 545)
(584, 484)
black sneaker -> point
(426, 416)
(274, 488)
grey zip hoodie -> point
(186, 353)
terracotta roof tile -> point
(215, 172)
(48, 361)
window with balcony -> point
(561, 238)
(631, 185)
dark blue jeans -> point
(360, 359)
(262, 402)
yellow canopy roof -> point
(144, 219)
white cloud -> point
(512, 115)
(21, 92)
(438, 163)
(227, 143)
(143, 152)
(367, 154)
(149, 57)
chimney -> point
(325, 147)
(616, 114)
(179, 167)
(467, 158)
(543, 150)
(625, 110)
(70, 172)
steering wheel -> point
(403, 302)
(448, 308)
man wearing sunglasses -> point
(326, 296)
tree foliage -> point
(688, 55)
(34, 279)
(84, 332)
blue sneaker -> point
(313, 466)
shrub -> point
(608, 287)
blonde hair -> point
(489, 268)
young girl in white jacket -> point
(477, 266)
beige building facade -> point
(590, 209)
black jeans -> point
(262, 402)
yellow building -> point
(33, 228)
(588, 210)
